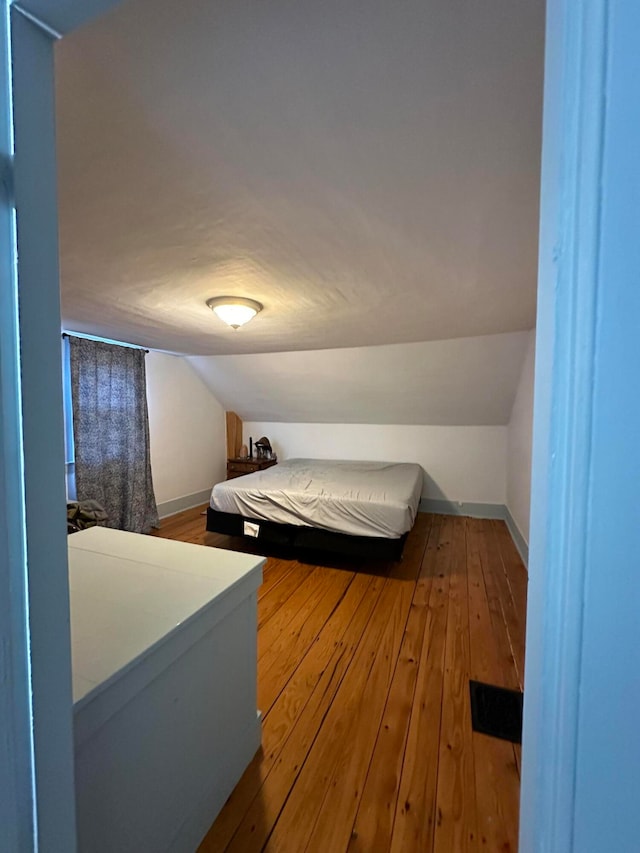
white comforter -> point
(359, 498)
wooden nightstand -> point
(238, 467)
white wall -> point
(465, 382)
(187, 429)
(461, 463)
(519, 436)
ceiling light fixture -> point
(235, 311)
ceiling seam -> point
(38, 22)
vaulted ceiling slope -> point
(464, 382)
(367, 169)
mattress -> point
(357, 498)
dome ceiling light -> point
(235, 311)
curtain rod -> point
(102, 340)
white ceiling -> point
(469, 381)
(368, 170)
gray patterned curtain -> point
(111, 432)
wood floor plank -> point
(517, 581)
(456, 821)
(352, 750)
(353, 718)
(414, 820)
(408, 568)
(363, 673)
(255, 829)
(373, 824)
(349, 710)
(491, 568)
(337, 642)
(315, 585)
(278, 591)
(181, 526)
(281, 660)
(332, 829)
(517, 753)
(514, 621)
(496, 771)
(485, 661)
(273, 573)
(515, 568)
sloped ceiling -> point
(464, 382)
(367, 169)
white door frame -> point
(581, 755)
(16, 784)
(37, 804)
(33, 538)
(574, 116)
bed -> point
(352, 508)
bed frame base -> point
(308, 538)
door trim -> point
(574, 118)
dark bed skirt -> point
(308, 538)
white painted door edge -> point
(36, 783)
(574, 114)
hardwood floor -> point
(363, 683)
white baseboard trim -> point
(480, 510)
(176, 505)
(469, 508)
(518, 539)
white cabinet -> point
(164, 675)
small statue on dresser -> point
(263, 448)
(243, 452)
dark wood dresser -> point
(238, 467)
